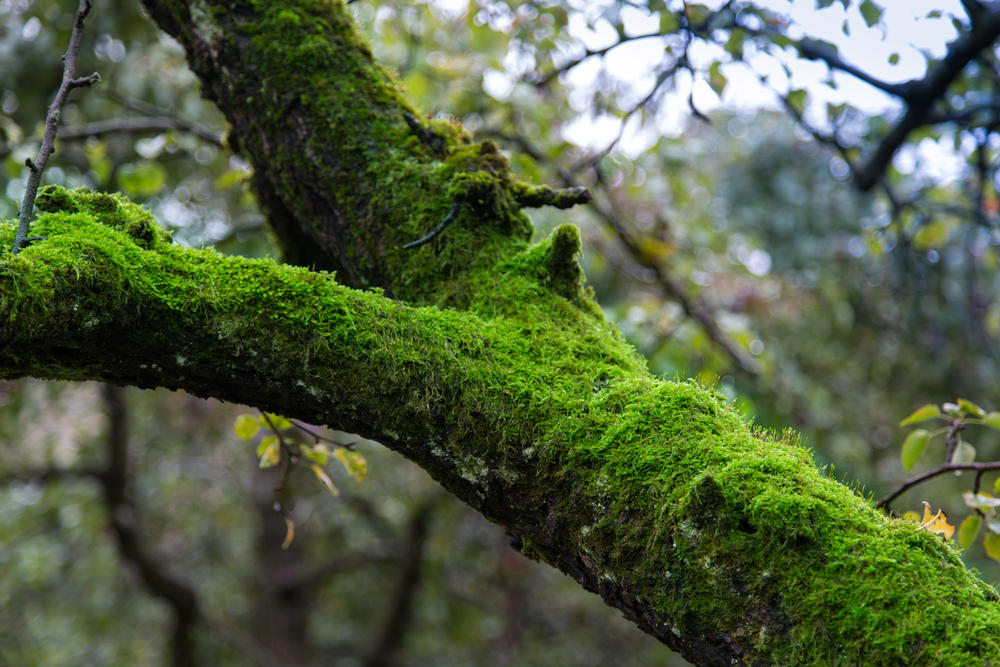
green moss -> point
(528, 405)
(506, 384)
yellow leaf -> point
(277, 421)
(269, 451)
(920, 414)
(246, 426)
(354, 463)
(323, 477)
(289, 532)
(912, 516)
(936, 523)
(318, 454)
(653, 250)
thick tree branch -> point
(923, 94)
(720, 540)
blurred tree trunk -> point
(481, 358)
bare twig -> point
(546, 78)
(69, 82)
(440, 227)
(137, 125)
(940, 470)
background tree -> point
(808, 383)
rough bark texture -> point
(491, 367)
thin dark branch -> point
(139, 125)
(973, 9)
(431, 235)
(963, 116)
(69, 82)
(922, 95)
(176, 593)
(546, 78)
(940, 470)
(50, 474)
(812, 50)
(691, 306)
(399, 614)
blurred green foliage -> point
(858, 312)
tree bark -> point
(481, 358)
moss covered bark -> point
(491, 367)
(725, 543)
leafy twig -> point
(69, 82)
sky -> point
(906, 31)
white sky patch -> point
(907, 33)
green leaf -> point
(325, 479)
(278, 423)
(928, 411)
(142, 179)
(246, 426)
(734, 45)
(354, 463)
(968, 530)
(971, 408)
(231, 177)
(893, 58)
(992, 420)
(797, 99)
(668, 22)
(964, 453)
(269, 451)
(914, 446)
(992, 545)
(934, 14)
(318, 454)
(716, 79)
(932, 235)
(870, 12)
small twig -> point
(137, 125)
(69, 82)
(319, 437)
(952, 439)
(940, 470)
(546, 78)
(431, 235)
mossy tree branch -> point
(723, 542)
